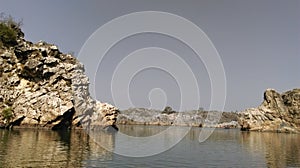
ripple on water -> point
(224, 148)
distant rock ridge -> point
(277, 113)
(42, 87)
(168, 117)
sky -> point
(257, 42)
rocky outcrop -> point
(40, 86)
(142, 116)
(278, 113)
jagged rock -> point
(47, 88)
(277, 113)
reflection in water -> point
(147, 145)
(221, 149)
(141, 131)
(280, 150)
(228, 147)
(45, 148)
(224, 148)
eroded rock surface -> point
(40, 86)
(278, 113)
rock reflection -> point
(151, 139)
(45, 148)
(192, 135)
(141, 130)
(280, 150)
(219, 134)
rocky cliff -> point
(278, 113)
(40, 86)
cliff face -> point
(40, 86)
(278, 112)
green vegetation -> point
(7, 113)
(168, 110)
(8, 31)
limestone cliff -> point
(278, 112)
(40, 86)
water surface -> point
(224, 148)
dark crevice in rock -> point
(16, 122)
(22, 55)
(47, 75)
(65, 120)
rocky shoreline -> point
(168, 117)
(41, 87)
(278, 113)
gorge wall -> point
(42, 87)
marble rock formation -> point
(277, 113)
(167, 117)
(40, 86)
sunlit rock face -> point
(40, 86)
(278, 112)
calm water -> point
(224, 148)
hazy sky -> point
(258, 42)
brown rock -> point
(277, 113)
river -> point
(75, 148)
